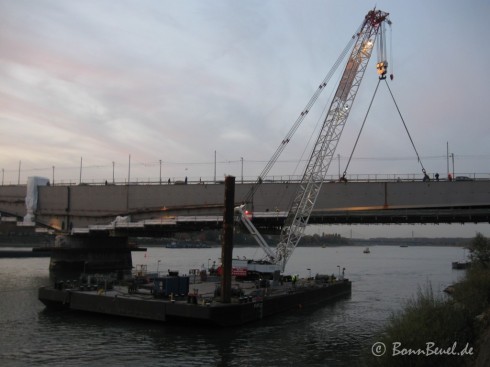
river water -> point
(337, 334)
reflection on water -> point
(335, 334)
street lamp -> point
(242, 168)
(338, 266)
(338, 156)
(452, 156)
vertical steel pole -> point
(227, 241)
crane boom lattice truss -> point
(328, 138)
(326, 143)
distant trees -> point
(479, 248)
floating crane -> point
(362, 43)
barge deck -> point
(200, 306)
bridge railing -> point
(361, 177)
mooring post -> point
(227, 241)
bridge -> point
(97, 220)
(160, 209)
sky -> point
(205, 88)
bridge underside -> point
(268, 222)
(405, 216)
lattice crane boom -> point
(326, 143)
(333, 125)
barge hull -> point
(218, 314)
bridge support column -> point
(90, 254)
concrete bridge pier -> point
(91, 254)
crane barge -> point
(169, 299)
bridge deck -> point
(168, 208)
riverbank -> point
(437, 330)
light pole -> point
(447, 157)
(242, 168)
(129, 170)
(338, 266)
(452, 157)
(53, 175)
(113, 181)
(338, 156)
(215, 166)
(160, 171)
(80, 181)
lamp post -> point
(338, 156)
(242, 168)
(81, 164)
(160, 171)
(452, 156)
(338, 266)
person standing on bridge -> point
(437, 176)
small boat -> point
(403, 245)
(187, 245)
(461, 265)
(366, 250)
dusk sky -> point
(178, 80)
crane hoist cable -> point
(360, 131)
(406, 129)
(362, 126)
